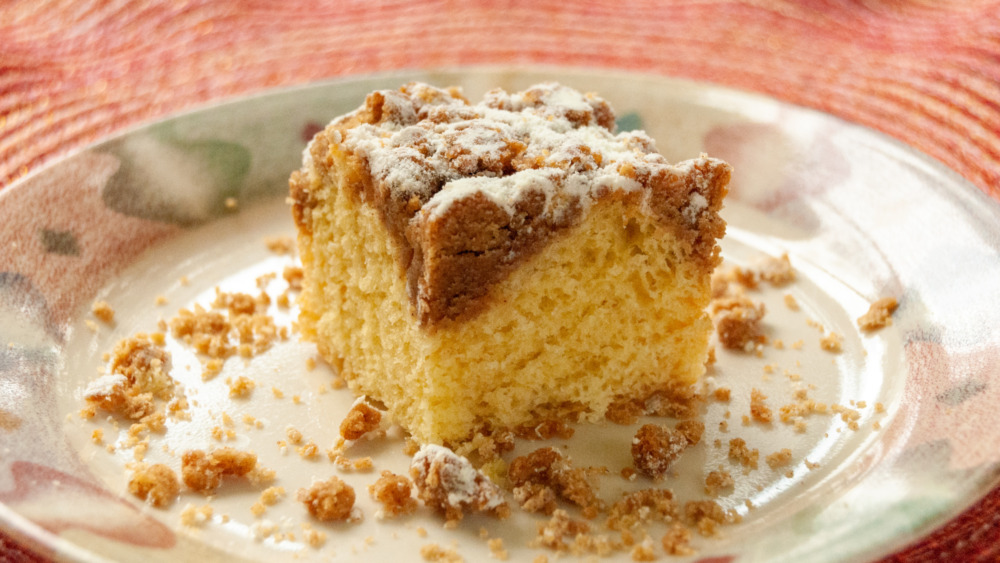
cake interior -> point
(612, 307)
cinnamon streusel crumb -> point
(329, 500)
(394, 492)
(203, 472)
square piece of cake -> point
(476, 267)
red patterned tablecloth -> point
(926, 72)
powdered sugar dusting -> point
(431, 143)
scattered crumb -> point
(539, 478)
(103, 311)
(330, 500)
(707, 516)
(758, 408)
(193, 515)
(791, 302)
(434, 552)
(449, 484)
(204, 472)
(280, 244)
(677, 541)
(738, 321)
(138, 377)
(779, 458)
(361, 419)
(641, 507)
(832, 342)
(156, 484)
(879, 314)
(718, 481)
(497, 550)
(739, 452)
(394, 492)
(655, 447)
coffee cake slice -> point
(491, 265)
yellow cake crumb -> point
(103, 311)
(879, 314)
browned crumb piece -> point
(655, 447)
(780, 458)
(241, 387)
(758, 408)
(330, 500)
(879, 314)
(449, 484)
(832, 342)
(640, 507)
(103, 311)
(360, 420)
(138, 375)
(718, 481)
(692, 430)
(738, 321)
(488, 444)
(545, 430)
(204, 472)
(777, 271)
(677, 541)
(643, 551)
(707, 516)
(674, 401)
(293, 276)
(205, 331)
(739, 452)
(538, 478)
(791, 302)
(280, 244)
(395, 494)
(624, 412)
(554, 533)
(722, 394)
(434, 552)
(156, 484)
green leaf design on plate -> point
(164, 177)
(59, 242)
(629, 122)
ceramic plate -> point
(156, 219)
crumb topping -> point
(156, 484)
(203, 472)
(360, 420)
(394, 492)
(329, 500)
(539, 478)
(450, 484)
(655, 447)
(139, 376)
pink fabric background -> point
(926, 72)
